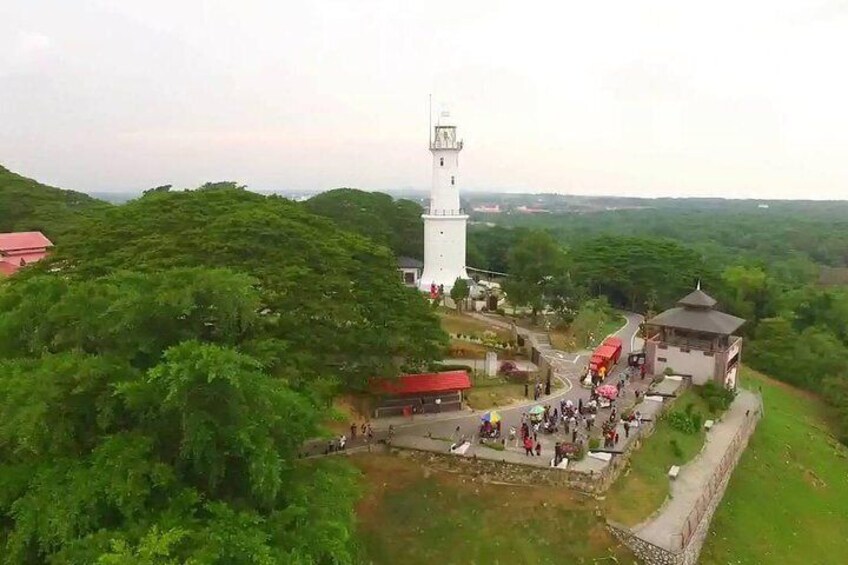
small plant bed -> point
(678, 437)
(454, 323)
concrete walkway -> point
(664, 529)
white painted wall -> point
(444, 250)
(695, 363)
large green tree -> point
(636, 273)
(536, 264)
(397, 224)
(159, 374)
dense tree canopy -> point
(638, 273)
(160, 372)
(26, 205)
(397, 224)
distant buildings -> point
(488, 208)
(19, 249)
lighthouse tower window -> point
(453, 181)
(441, 161)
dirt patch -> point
(811, 478)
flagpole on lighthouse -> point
(430, 121)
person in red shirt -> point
(528, 445)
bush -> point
(501, 312)
(683, 422)
(675, 448)
(440, 367)
(668, 371)
(717, 397)
(594, 443)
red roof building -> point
(421, 393)
(19, 249)
(424, 383)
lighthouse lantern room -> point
(445, 221)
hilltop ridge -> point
(28, 205)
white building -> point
(695, 339)
(444, 222)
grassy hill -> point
(787, 500)
(27, 205)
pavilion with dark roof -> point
(695, 339)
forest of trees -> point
(159, 373)
(26, 205)
(763, 265)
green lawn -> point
(413, 517)
(644, 486)
(787, 501)
(565, 340)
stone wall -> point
(692, 544)
(495, 471)
(645, 551)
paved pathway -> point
(664, 529)
(566, 366)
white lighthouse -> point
(444, 222)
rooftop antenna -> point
(430, 124)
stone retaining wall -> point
(651, 554)
(495, 471)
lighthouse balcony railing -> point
(445, 212)
(437, 144)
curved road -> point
(568, 367)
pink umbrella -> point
(607, 391)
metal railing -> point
(444, 212)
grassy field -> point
(644, 486)
(787, 501)
(566, 341)
(411, 516)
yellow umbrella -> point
(492, 417)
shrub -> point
(440, 367)
(717, 397)
(682, 422)
(675, 448)
(594, 443)
(501, 312)
(668, 371)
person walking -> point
(342, 442)
(580, 406)
(538, 449)
(526, 390)
(574, 435)
(626, 429)
(353, 431)
(528, 446)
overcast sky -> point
(651, 98)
